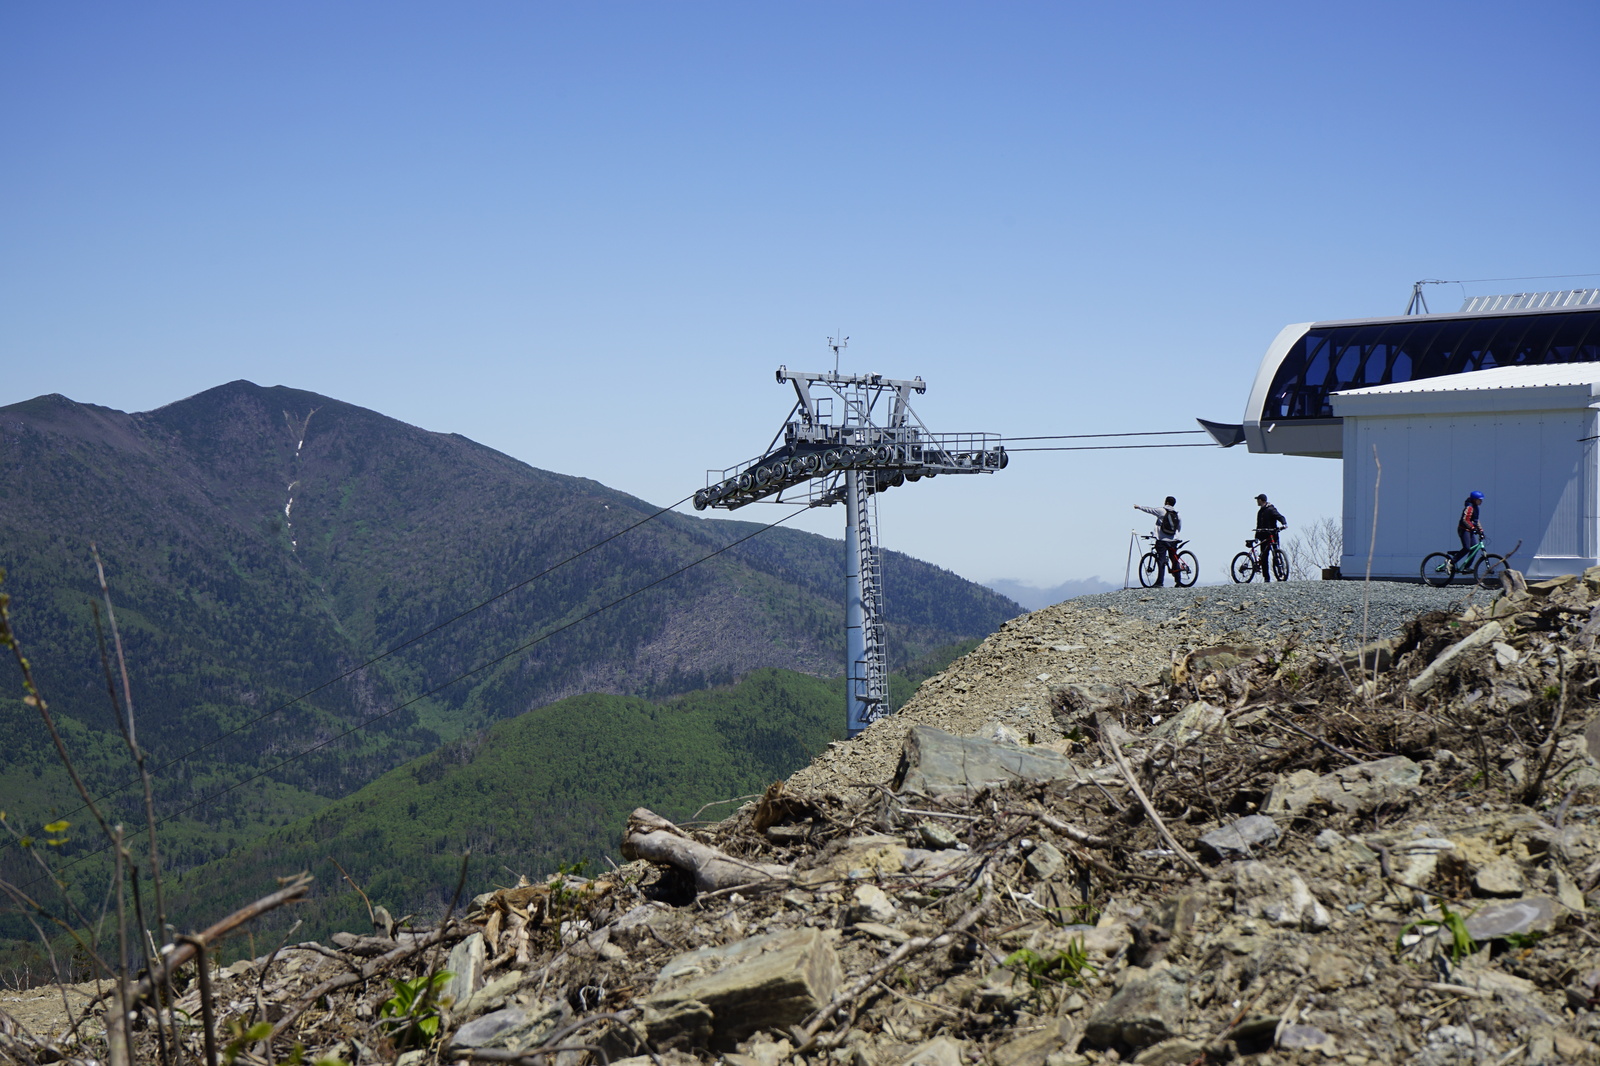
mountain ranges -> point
(264, 547)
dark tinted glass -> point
(1352, 357)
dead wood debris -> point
(1271, 853)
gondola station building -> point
(1502, 397)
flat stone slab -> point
(934, 761)
(1242, 837)
(941, 1051)
(763, 982)
(515, 1028)
(1081, 701)
(1512, 917)
(466, 969)
(1146, 1011)
(1354, 789)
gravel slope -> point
(1127, 636)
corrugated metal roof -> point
(1533, 301)
(1500, 377)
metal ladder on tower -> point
(869, 681)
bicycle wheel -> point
(1188, 570)
(1437, 571)
(1280, 566)
(1148, 569)
(1488, 572)
(1243, 568)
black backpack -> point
(1169, 523)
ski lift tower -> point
(850, 437)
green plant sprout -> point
(413, 1016)
(1069, 966)
(242, 1037)
(1461, 942)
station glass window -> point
(1330, 359)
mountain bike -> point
(1247, 564)
(1484, 568)
(1150, 565)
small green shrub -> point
(1068, 967)
(411, 1014)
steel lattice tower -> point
(848, 438)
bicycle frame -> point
(1168, 557)
(1470, 558)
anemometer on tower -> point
(849, 437)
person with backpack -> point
(1167, 526)
(1268, 521)
(1468, 528)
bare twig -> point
(118, 1025)
(367, 972)
(1149, 808)
(208, 1015)
(428, 986)
(582, 1023)
(1366, 588)
(1530, 795)
(529, 1057)
(718, 803)
(371, 917)
(856, 988)
(182, 953)
(942, 814)
(1066, 829)
(132, 738)
(1316, 739)
(36, 699)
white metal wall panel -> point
(1539, 479)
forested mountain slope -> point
(550, 787)
(260, 542)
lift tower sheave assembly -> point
(850, 437)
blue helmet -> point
(1474, 495)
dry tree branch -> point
(33, 698)
(130, 737)
(1366, 587)
(182, 953)
(27, 903)
(208, 1016)
(371, 916)
(855, 989)
(1530, 795)
(1149, 808)
(1066, 829)
(717, 803)
(1316, 739)
(367, 972)
(650, 836)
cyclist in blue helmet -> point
(1468, 528)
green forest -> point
(550, 788)
(310, 595)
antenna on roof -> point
(843, 342)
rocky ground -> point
(1159, 829)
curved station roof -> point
(1290, 410)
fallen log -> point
(650, 836)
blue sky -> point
(586, 234)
